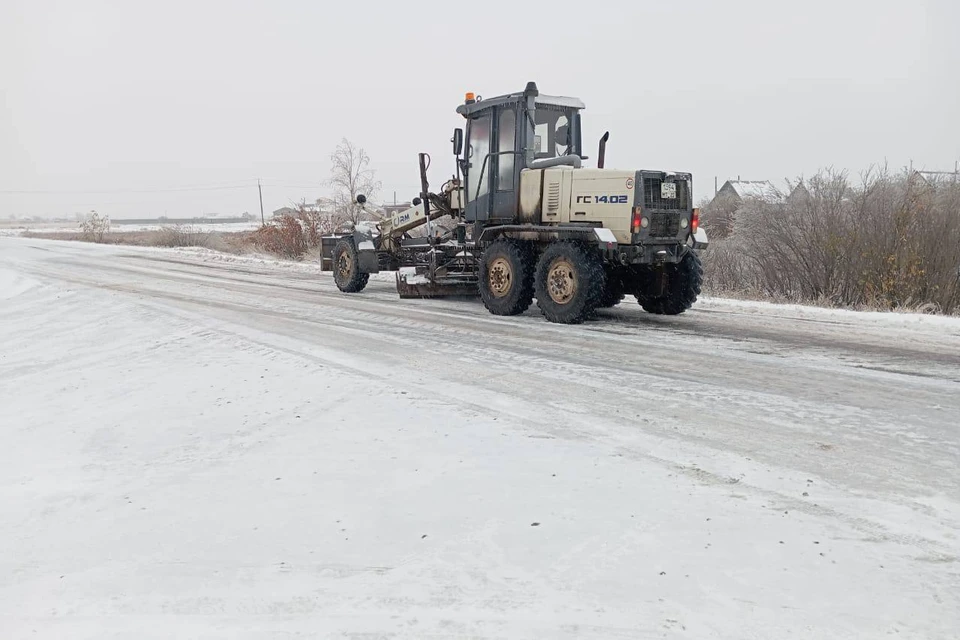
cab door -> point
(478, 176)
(506, 166)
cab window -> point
(551, 133)
(506, 137)
(478, 147)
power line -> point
(283, 185)
(116, 191)
(211, 187)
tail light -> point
(635, 222)
(695, 223)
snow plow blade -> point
(411, 285)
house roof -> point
(757, 189)
(798, 190)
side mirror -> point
(457, 141)
(361, 199)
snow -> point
(605, 236)
(908, 320)
(410, 276)
(201, 445)
(226, 227)
(13, 284)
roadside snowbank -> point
(227, 227)
(804, 312)
(13, 284)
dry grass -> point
(228, 242)
(292, 237)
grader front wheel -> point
(346, 267)
(506, 277)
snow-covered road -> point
(200, 446)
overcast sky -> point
(113, 104)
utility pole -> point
(260, 189)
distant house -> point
(284, 211)
(925, 179)
(393, 208)
(741, 190)
(721, 213)
(325, 207)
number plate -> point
(668, 191)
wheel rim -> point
(500, 277)
(344, 265)
(562, 281)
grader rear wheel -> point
(684, 281)
(569, 282)
(562, 281)
(614, 293)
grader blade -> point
(418, 285)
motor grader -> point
(527, 220)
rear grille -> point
(664, 225)
(652, 189)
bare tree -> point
(718, 215)
(314, 221)
(94, 226)
(351, 175)
(890, 242)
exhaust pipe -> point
(603, 149)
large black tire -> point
(684, 282)
(346, 267)
(614, 292)
(506, 277)
(570, 282)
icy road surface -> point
(198, 446)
